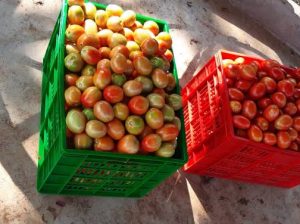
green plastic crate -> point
(84, 172)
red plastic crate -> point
(213, 148)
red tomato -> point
(132, 88)
(241, 122)
(264, 102)
(266, 65)
(255, 134)
(262, 123)
(269, 83)
(138, 105)
(290, 108)
(113, 94)
(115, 129)
(88, 40)
(90, 55)
(230, 82)
(72, 96)
(276, 73)
(257, 91)
(235, 94)
(261, 74)
(169, 55)
(71, 79)
(231, 71)
(247, 72)
(142, 65)
(269, 138)
(279, 99)
(249, 109)
(119, 49)
(104, 63)
(90, 96)
(243, 85)
(283, 139)
(168, 132)
(104, 144)
(286, 87)
(104, 52)
(297, 123)
(147, 130)
(283, 122)
(293, 133)
(151, 143)
(271, 112)
(235, 106)
(103, 111)
(129, 144)
(102, 78)
(149, 47)
(118, 63)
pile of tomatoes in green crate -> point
(119, 91)
(265, 102)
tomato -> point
(102, 78)
(168, 132)
(104, 52)
(149, 47)
(255, 134)
(156, 100)
(104, 144)
(118, 63)
(160, 78)
(166, 37)
(247, 72)
(121, 111)
(279, 99)
(88, 40)
(261, 74)
(90, 55)
(157, 62)
(138, 105)
(89, 114)
(116, 39)
(90, 10)
(294, 146)
(119, 49)
(269, 138)
(84, 82)
(73, 62)
(269, 83)
(235, 106)
(162, 47)
(151, 143)
(70, 48)
(146, 82)
(129, 144)
(293, 134)
(171, 83)
(241, 133)
(129, 68)
(72, 96)
(241, 122)
(151, 26)
(134, 125)
(296, 124)
(139, 35)
(166, 150)
(114, 23)
(90, 27)
(175, 101)
(286, 87)
(271, 112)
(90, 96)
(264, 102)
(168, 55)
(249, 109)
(83, 141)
(132, 88)
(128, 33)
(95, 129)
(283, 122)
(104, 35)
(73, 32)
(128, 18)
(101, 18)
(168, 113)
(75, 2)
(75, 121)
(231, 71)
(103, 111)
(290, 108)
(115, 129)
(135, 54)
(142, 65)
(262, 123)
(75, 15)
(177, 122)
(283, 139)
(160, 92)
(235, 94)
(88, 70)
(266, 65)
(154, 118)
(243, 85)
(113, 94)
(297, 93)
(298, 104)
(118, 79)
(257, 91)
(132, 46)
(114, 10)
(104, 63)
(276, 73)
(293, 81)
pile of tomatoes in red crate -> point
(265, 102)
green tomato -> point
(88, 70)
(147, 83)
(175, 101)
(74, 62)
(168, 113)
(89, 114)
(76, 121)
(156, 100)
(118, 79)
(134, 125)
(166, 150)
